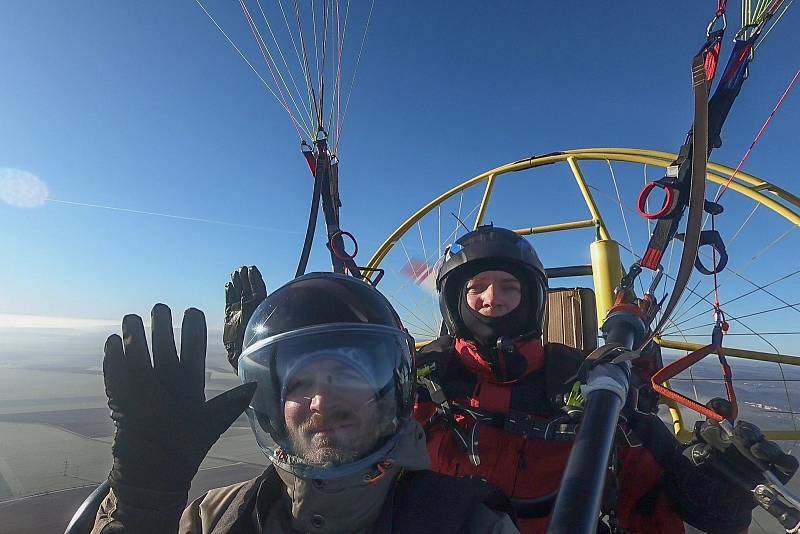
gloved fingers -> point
(114, 374)
(231, 297)
(259, 288)
(722, 406)
(771, 453)
(165, 357)
(135, 343)
(236, 283)
(247, 289)
(787, 466)
(225, 408)
(747, 433)
(766, 451)
(193, 354)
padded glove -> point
(747, 452)
(164, 426)
(710, 483)
(243, 294)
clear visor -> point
(327, 397)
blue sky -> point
(144, 106)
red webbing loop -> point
(670, 201)
(678, 366)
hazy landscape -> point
(55, 432)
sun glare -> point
(22, 189)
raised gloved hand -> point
(243, 294)
(165, 427)
(747, 452)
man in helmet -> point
(498, 404)
(328, 388)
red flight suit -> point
(528, 467)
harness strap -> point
(695, 201)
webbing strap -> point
(559, 428)
(697, 191)
(730, 84)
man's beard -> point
(329, 449)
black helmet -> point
(485, 249)
(347, 327)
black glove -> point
(747, 452)
(243, 294)
(165, 427)
(710, 482)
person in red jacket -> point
(499, 404)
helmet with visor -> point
(334, 371)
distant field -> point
(28, 390)
(55, 430)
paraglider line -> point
(262, 46)
(283, 57)
(353, 80)
(241, 54)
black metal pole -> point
(577, 507)
(565, 272)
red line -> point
(758, 136)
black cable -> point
(311, 228)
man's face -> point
(493, 293)
(330, 412)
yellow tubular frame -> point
(768, 195)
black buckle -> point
(520, 423)
(523, 424)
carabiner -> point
(630, 277)
(710, 28)
(720, 327)
(656, 281)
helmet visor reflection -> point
(328, 396)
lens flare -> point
(22, 189)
